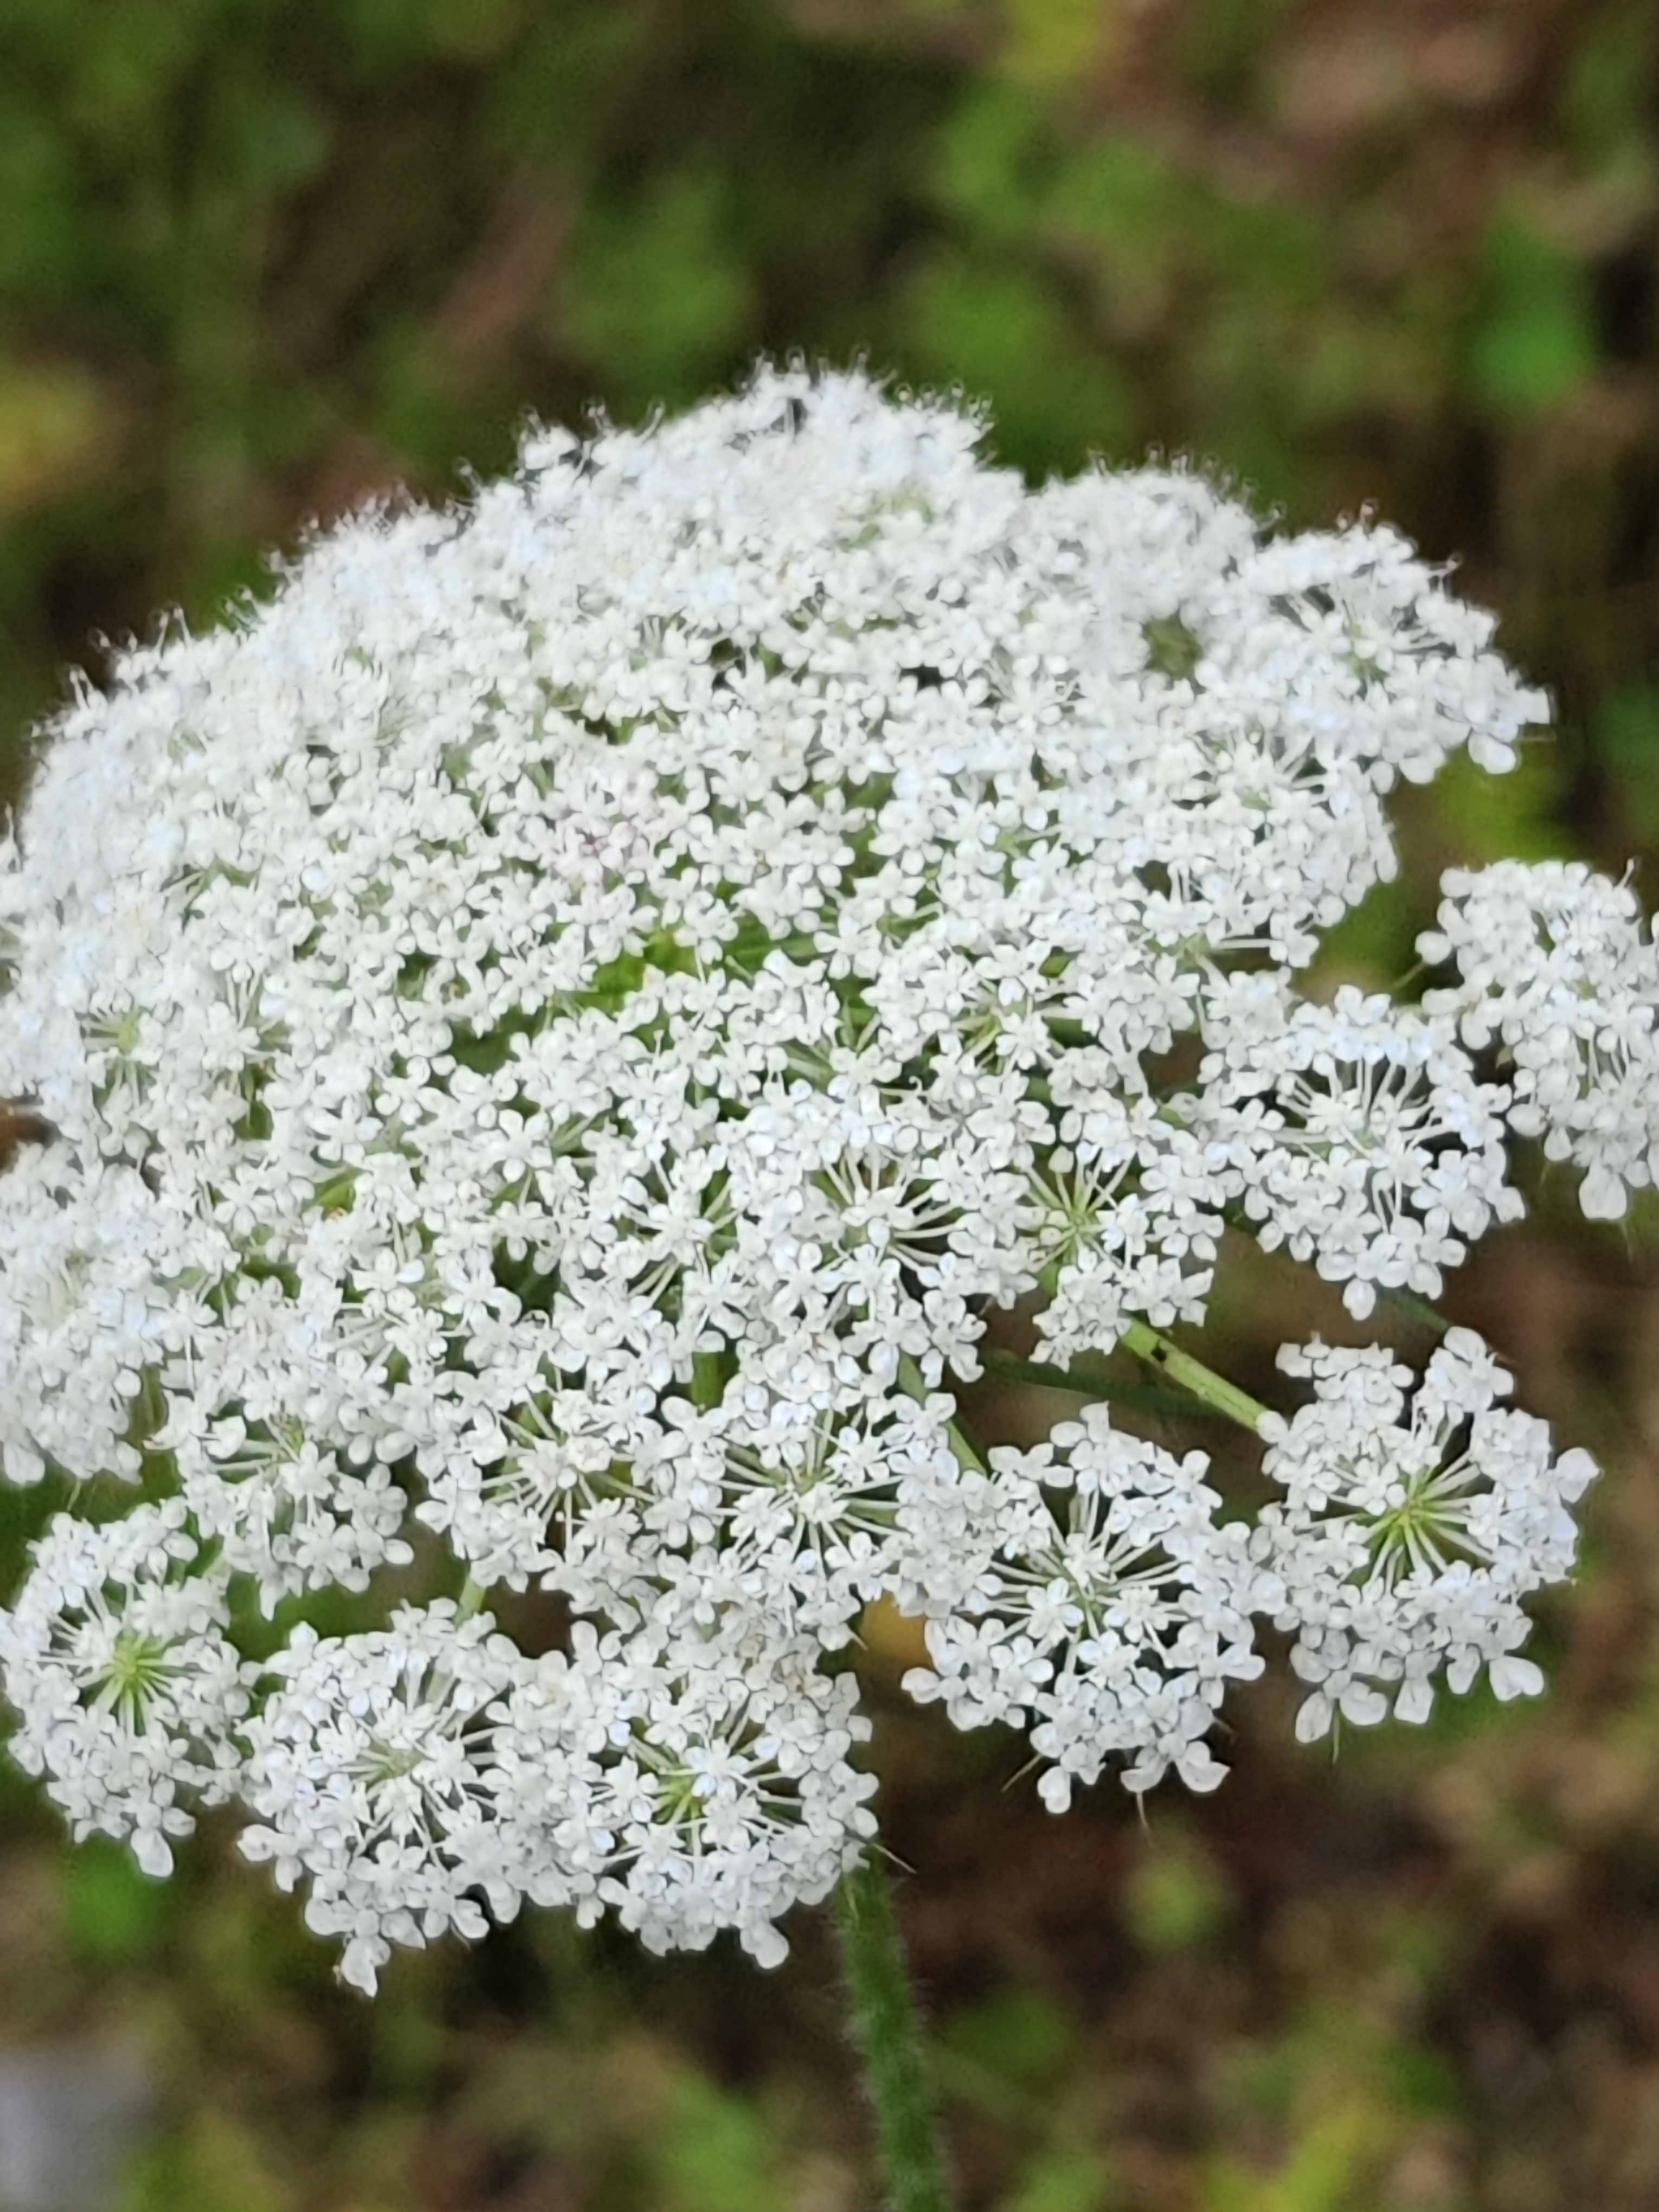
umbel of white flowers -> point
(553, 1032)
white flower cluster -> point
(1410, 1531)
(1555, 963)
(555, 1029)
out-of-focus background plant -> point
(260, 259)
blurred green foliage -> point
(113, 1913)
(261, 260)
(1533, 343)
(1176, 1897)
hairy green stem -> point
(885, 2027)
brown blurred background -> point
(259, 259)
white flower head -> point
(126, 1689)
(555, 1031)
(1556, 967)
(1411, 1528)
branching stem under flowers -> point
(884, 2020)
(914, 1383)
(1193, 1375)
(1086, 1382)
(708, 1378)
(1214, 1392)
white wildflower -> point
(1555, 965)
(1113, 1615)
(1358, 1133)
(115, 1659)
(1412, 1526)
(552, 1034)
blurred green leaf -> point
(999, 333)
(1517, 816)
(1322, 2172)
(655, 288)
(213, 2163)
(1020, 2036)
(113, 1913)
(550, 105)
(1605, 89)
(715, 2152)
(992, 161)
(1175, 1899)
(1063, 2178)
(282, 137)
(1375, 942)
(1055, 42)
(1627, 737)
(1534, 341)
(1222, 44)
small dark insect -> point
(20, 1124)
